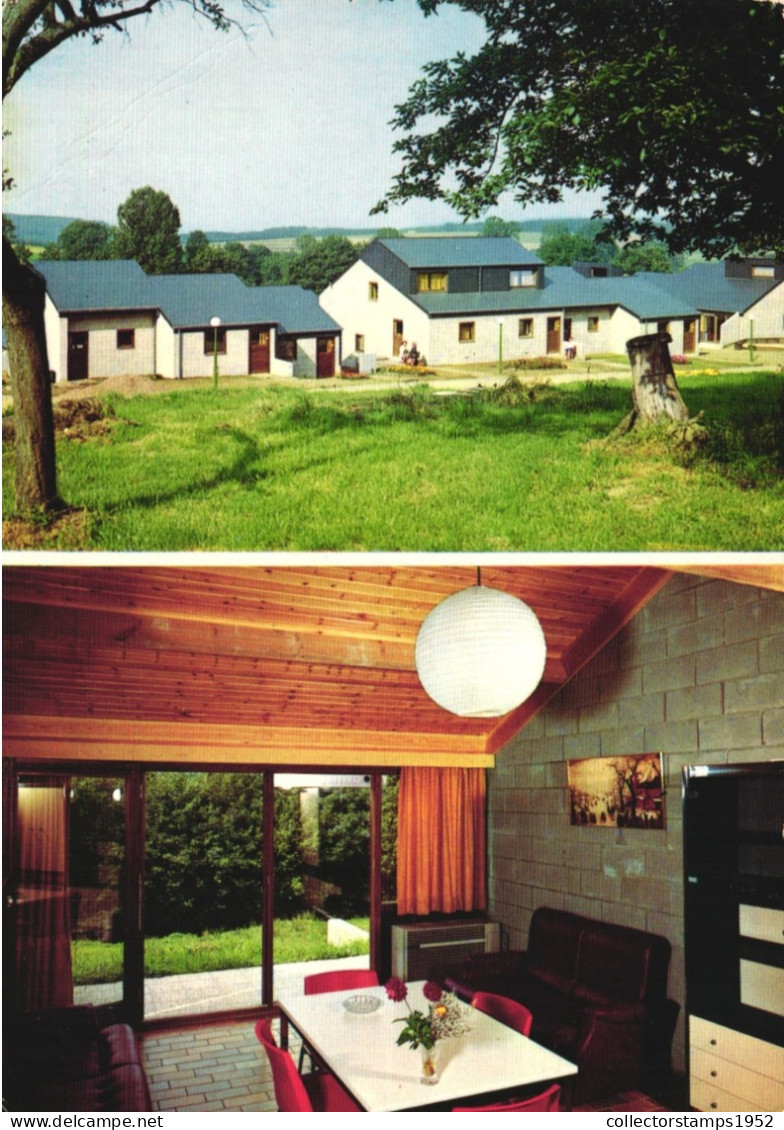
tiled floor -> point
(215, 1067)
(223, 1067)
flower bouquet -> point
(447, 1016)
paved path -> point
(188, 993)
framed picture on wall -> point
(626, 791)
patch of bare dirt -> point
(68, 529)
(76, 419)
(121, 386)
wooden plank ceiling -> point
(291, 665)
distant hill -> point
(39, 230)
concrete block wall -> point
(698, 674)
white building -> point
(464, 300)
(109, 318)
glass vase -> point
(430, 1074)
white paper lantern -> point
(480, 653)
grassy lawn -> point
(296, 939)
(276, 468)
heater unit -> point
(430, 951)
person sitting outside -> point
(413, 354)
(403, 354)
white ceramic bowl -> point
(362, 1002)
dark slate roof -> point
(189, 301)
(295, 309)
(117, 284)
(706, 287)
(442, 252)
(186, 301)
(564, 289)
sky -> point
(285, 124)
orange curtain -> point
(441, 840)
(42, 927)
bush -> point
(513, 392)
(526, 363)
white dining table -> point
(361, 1051)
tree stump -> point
(655, 392)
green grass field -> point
(296, 939)
(278, 468)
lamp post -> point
(215, 322)
(500, 345)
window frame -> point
(519, 278)
(427, 280)
(129, 332)
(522, 331)
(466, 332)
(373, 291)
(285, 348)
(209, 340)
(131, 1006)
(593, 323)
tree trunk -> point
(655, 392)
(23, 319)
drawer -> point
(704, 1096)
(746, 1051)
(723, 1075)
(761, 922)
(762, 986)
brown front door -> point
(397, 336)
(259, 350)
(78, 359)
(689, 335)
(325, 357)
(553, 335)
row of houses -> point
(459, 300)
(463, 300)
(107, 319)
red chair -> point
(332, 982)
(336, 979)
(509, 1012)
(549, 1100)
(319, 1093)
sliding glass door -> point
(96, 873)
(203, 893)
(67, 890)
(166, 894)
(322, 876)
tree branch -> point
(31, 28)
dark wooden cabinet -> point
(733, 855)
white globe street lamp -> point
(215, 322)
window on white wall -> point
(525, 327)
(211, 344)
(373, 291)
(359, 343)
(593, 324)
(286, 348)
(467, 331)
(126, 339)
